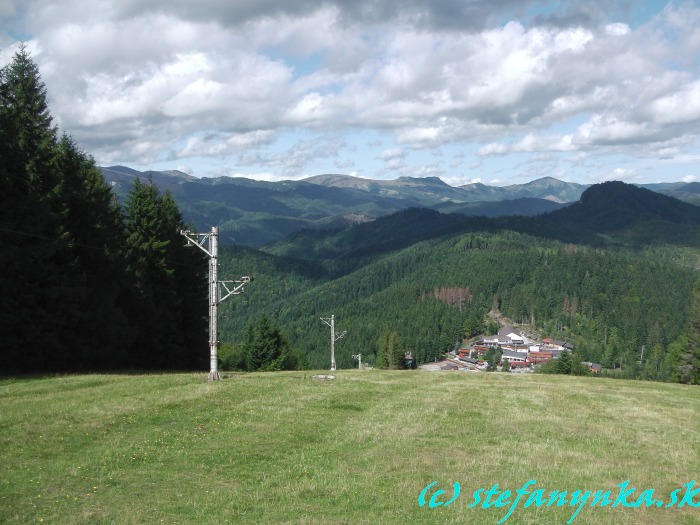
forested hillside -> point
(634, 215)
(86, 284)
(609, 302)
(612, 274)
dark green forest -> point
(91, 284)
(86, 284)
(609, 302)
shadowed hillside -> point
(631, 213)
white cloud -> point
(311, 108)
(420, 137)
(395, 164)
(610, 130)
(622, 174)
(530, 143)
(617, 29)
(393, 153)
(210, 145)
(536, 143)
(295, 159)
(679, 107)
(138, 80)
(432, 170)
(683, 159)
(492, 149)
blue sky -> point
(500, 92)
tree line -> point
(86, 284)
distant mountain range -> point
(611, 213)
(430, 191)
(256, 213)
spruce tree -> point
(505, 367)
(77, 294)
(37, 303)
(266, 348)
(493, 355)
(92, 225)
(390, 351)
(563, 363)
(168, 297)
(189, 298)
(30, 137)
(61, 239)
(671, 369)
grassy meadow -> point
(274, 448)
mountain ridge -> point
(547, 188)
(611, 211)
(255, 213)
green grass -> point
(285, 448)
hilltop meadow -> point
(271, 448)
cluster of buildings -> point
(518, 349)
(522, 352)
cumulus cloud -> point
(295, 159)
(220, 145)
(492, 149)
(425, 14)
(679, 107)
(393, 153)
(530, 143)
(617, 29)
(138, 81)
(621, 174)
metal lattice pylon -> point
(331, 322)
(215, 296)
